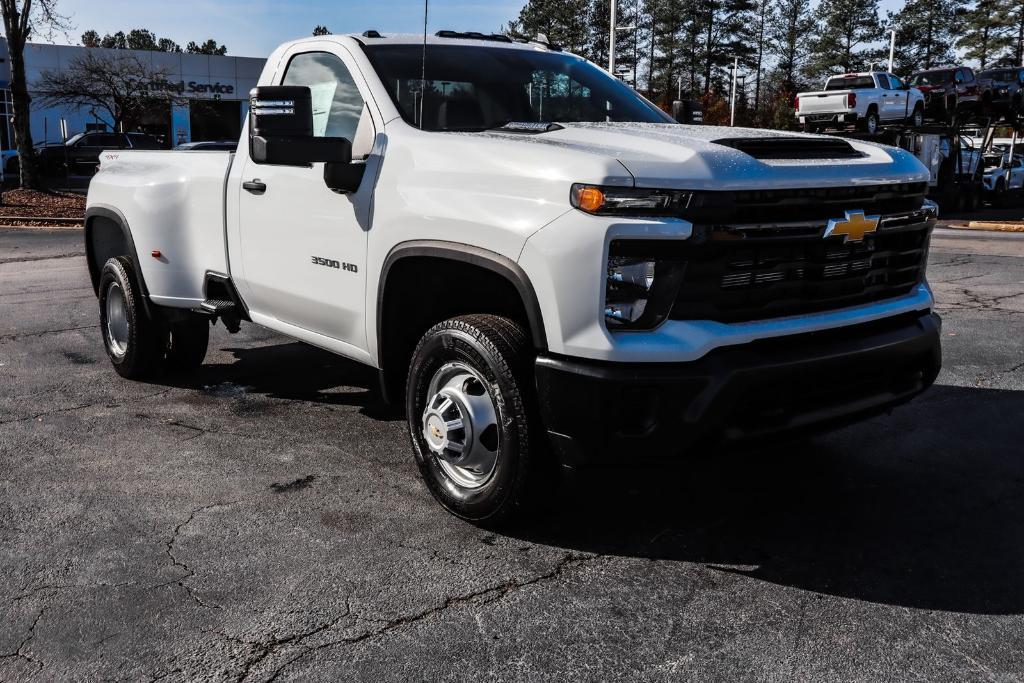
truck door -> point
(303, 245)
(886, 103)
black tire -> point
(811, 128)
(187, 342)
(917, 117)
(499, 351)
(952, 111)
(999, 195)
(869, 124)
(138, 352)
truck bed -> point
(174, 205)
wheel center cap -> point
(436, 433)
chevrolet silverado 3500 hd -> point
(543, 266)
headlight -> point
(628, 201)
(641, 288)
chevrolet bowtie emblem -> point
(854, 227)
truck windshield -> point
(850, 83)
(472, 88)
(932, 78)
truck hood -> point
(674, 156)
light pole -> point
(892, 47)
(732, 98)
(611, 37)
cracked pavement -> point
(262, 519)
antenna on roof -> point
(423, 72)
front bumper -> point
(608, 413)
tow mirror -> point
(688, 111)
(281, 129)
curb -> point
(993, 226)
(22, 226)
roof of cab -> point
(453, 38)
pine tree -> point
(788, 32)
(762, 43)
(925, 33)
(844, 29)
(562, 21)
(726, 34)
(1014, 19)
(985, 31)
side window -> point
(337, 104)
(88, 141)
(897, 84)
(968, 75)
(959, 76)
(883, 82)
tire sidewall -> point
(137, 359)
(444, 345)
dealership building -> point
(214, 91)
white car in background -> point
(1004, 178)
(865, 99)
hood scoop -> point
(792, 148)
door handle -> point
(256, 186)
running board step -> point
(219, 307)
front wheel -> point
(470, 407)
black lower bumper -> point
(599, 412)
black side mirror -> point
(281, 129)
(688, 111)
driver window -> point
(337, 104)
(883, 82)
(959, 77)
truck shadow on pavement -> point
(922, 509)
(294, 372)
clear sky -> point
(253, 28)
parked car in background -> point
(1006, 87)
(952, 90)
(208, 146)
(1003, 179)
(81, 153)
(865, 99)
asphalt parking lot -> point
(263, 519)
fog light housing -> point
(639, 291)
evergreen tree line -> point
(687, 47)
(143, 39)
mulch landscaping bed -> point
(32, 208)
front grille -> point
(736, 276)
(785, 205)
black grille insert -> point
(806, 204)
(730, 279)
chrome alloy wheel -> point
(117, 321)
(460, 425)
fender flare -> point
(117, 218)
(464, 253)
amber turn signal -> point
(589, 199)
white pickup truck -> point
(865, 99)
(544, 267)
